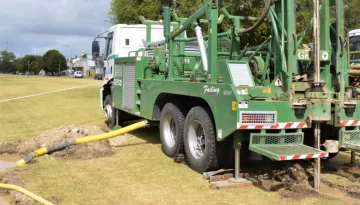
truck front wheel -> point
(109, 112)
(171, 130)
(200, 140)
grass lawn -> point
(12, 86)
(138, 174)
(24, 118)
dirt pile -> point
(90, 150)
(291, 181)
(8, 148)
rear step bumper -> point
(283, 146)
(288, 152)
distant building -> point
(86, 65)
(77, 64)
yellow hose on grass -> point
(26, 192)
(63, 145)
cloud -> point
(33, 27)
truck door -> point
(109, 57)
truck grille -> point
(258, 118)
(118, 71)
(129, 86)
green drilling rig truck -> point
(215, 100)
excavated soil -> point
(291, 181)
(85, 151)
(294, 181)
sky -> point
(36, 26)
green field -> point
(24, 118)
(138, 174)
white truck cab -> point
(354, 38)
(122, 40)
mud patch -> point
(291, 181)
(13, 177)
(85, 151)
(344, 178)
(8, 161)
(347, 190)
(4, 198)
(336, 193)
(15, 197)
(298, 192)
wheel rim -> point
(196, 136)
(108, 113)
(169, 131)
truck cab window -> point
(355, 47)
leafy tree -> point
(352, 19)
(22, 64)
(124, 11)
(7, 61)
(17, 64)
(35, 66)
(51, 61)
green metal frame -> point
(173, 71)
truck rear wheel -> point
(200, 140)
(109, 112)
(171, 130)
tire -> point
(225, 154)
(109, 120)
(171, 130)
(200, 140)
(331, 155)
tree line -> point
(49, 62)
(127, 12)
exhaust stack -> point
(201, 43)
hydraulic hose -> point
(261, 18)
(62, 145)
(26, 192)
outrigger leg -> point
(317, 160)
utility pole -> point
(59, 66)
(28, 64)
(70, 61)
(6, 46)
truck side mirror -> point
(95, 49)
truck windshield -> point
(109, 44)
